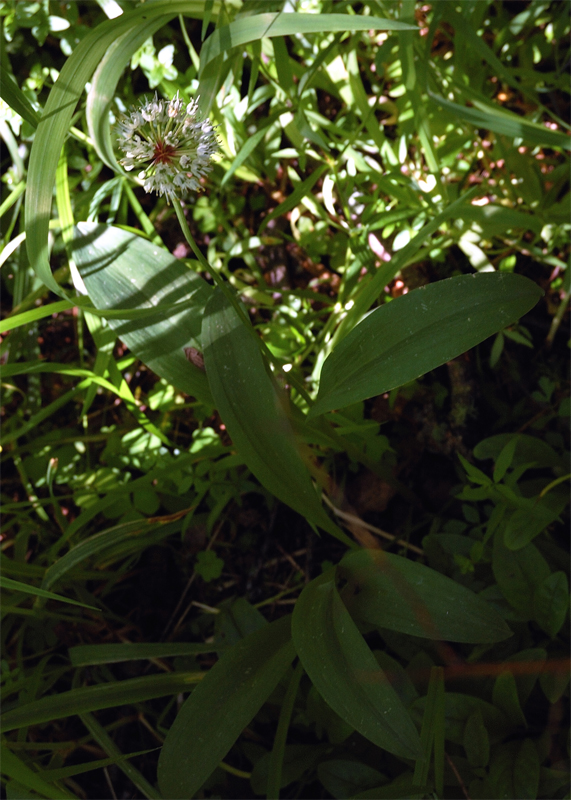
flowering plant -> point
(169, 143)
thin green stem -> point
(225, 287)
(220, 283)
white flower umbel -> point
(170, 145)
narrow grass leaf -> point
(36, 419)
(401, 340)
(95, 545)
(108, 745)
(95, 698)
(81, 769)
(121, 390)
(345, 672)
(295, 198)
(389, 591)
(372, 126)
(505, 123)
(245, 151)
(221, 706)
(476, 43)
(11, 93)
(89, 654)
(104, 86)
(249, 29)
(277, 755)
(14, 767)
(432, 733)
(9, 323)
(283, 66)
(18, 586)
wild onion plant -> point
(283, 409)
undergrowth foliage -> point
(285, 399)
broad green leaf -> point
(504, 460)
(385, 273)
(326, 719)
(221, 706)
(533, 517)
(518, 572)
(504, 122)
(526, 770)
(403, 339)
(249, 29)
(94, 698)
(551, 602)
(253, 413)
(476, 740)
(553, 781)
(345, 672)
(14, 767)
(554, 682)
(88, 654)
(505, 697)
(343, 778)
(397, 675)
(18, 586)
(529, 449)
(458, 708)
(402, 786)
(515, 770)
(494, 219)
(124, 271)
(297, 759)
(392, 592)
(534, 659)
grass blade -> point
(95, 698)
(18, 586)
(249, 29)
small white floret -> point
(170, 145)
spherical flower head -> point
(168, 142)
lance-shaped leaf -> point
(253, 413)
(248, 29)
(392, 592)
(403, 339)
(123, 271)
(346, 673)
(221, 706)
